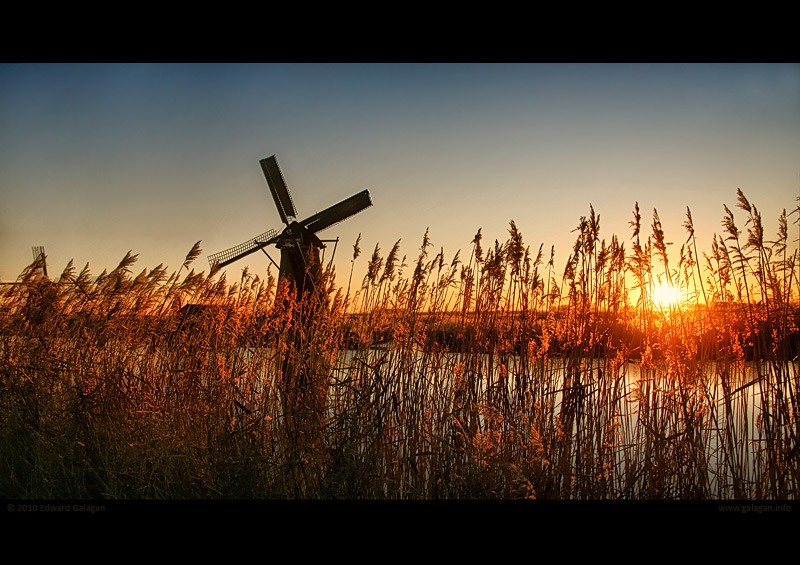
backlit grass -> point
(625, 373)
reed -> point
(498, 377)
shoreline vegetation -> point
(501, 376)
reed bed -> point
(495, 377)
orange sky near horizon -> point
(96, 160)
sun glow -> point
(664, 296)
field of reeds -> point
(500, 375)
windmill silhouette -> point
(297, 241)
(38, 255)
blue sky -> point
(96, 160)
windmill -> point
(297, 241)
(38, 255)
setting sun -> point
(664, 296)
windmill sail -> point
(283, 200)
(228, 256)
(338, 212)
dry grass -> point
(495, 377)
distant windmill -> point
(298, 241)
(38, 254)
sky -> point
(100, 159)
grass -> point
(496, 377)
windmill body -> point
(300, 261)
(298, 243)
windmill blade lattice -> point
(338, 212)
(228, 256)
(278, 188)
